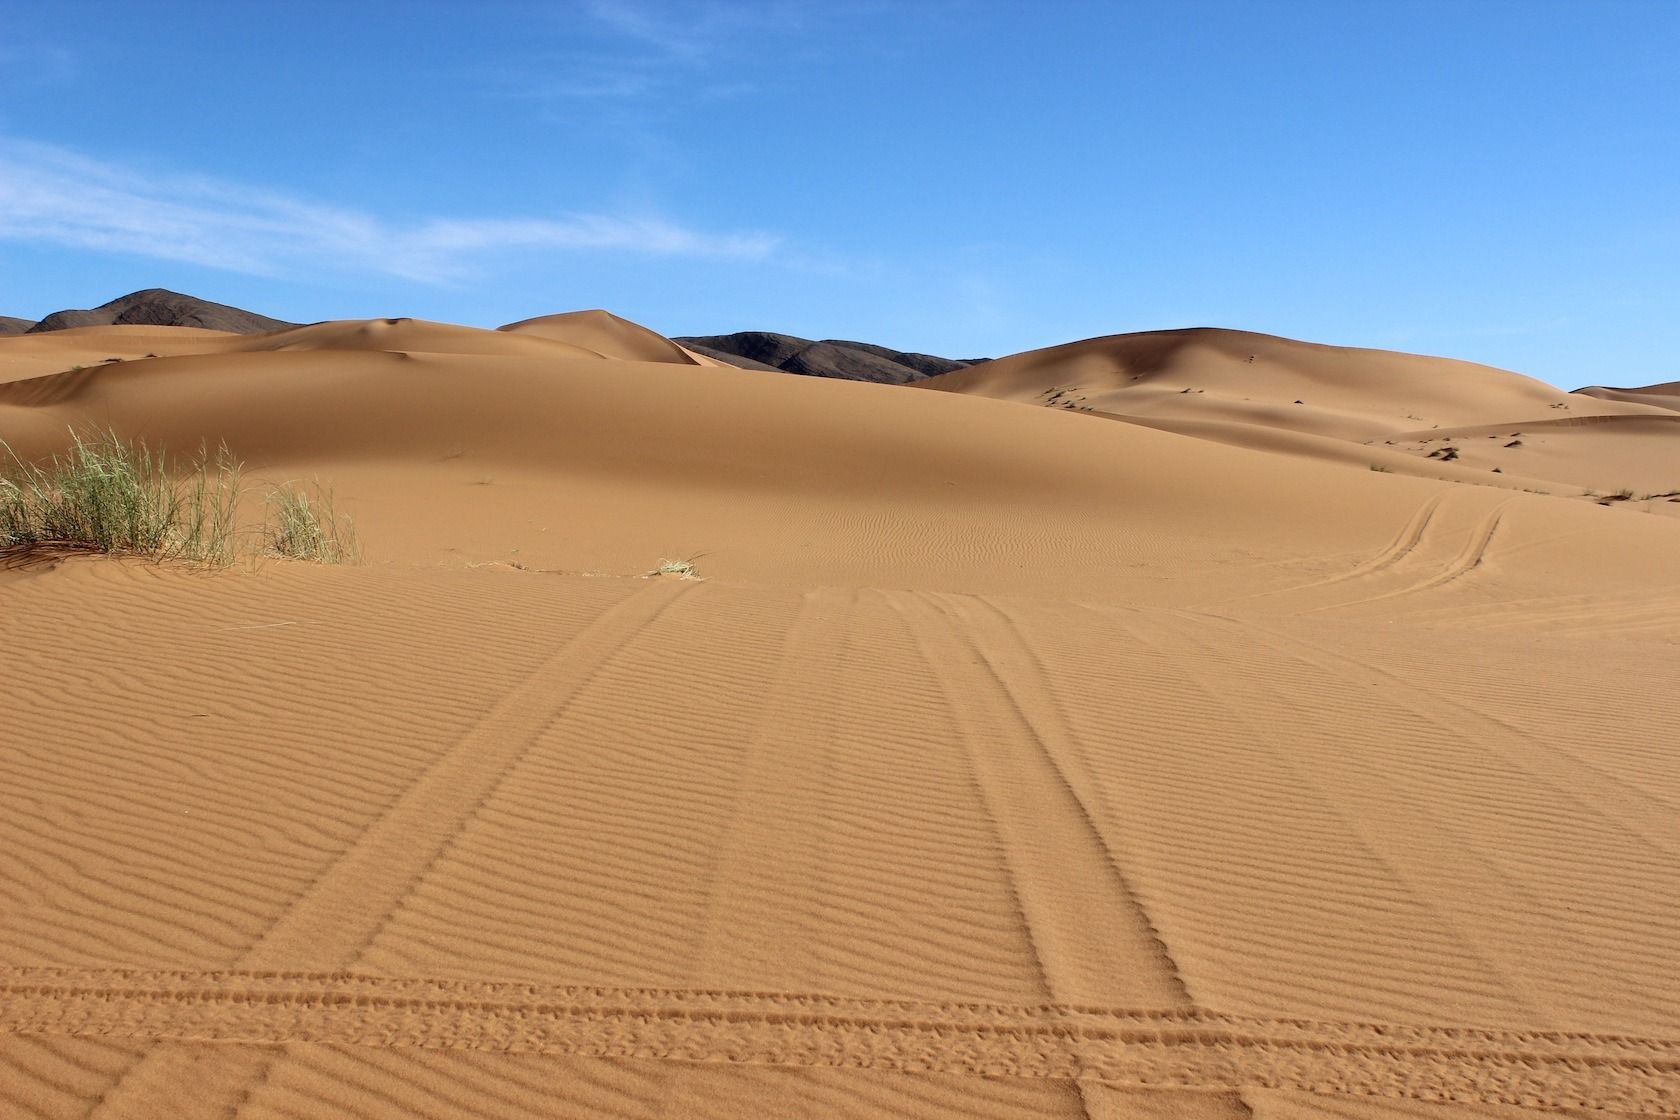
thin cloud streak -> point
(53, 195)
(635, 21)
(633, 51)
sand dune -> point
(608, 336)
(1345, 392)
(1666, 395)
(1007, 761)
(1362, 407)
(34, 355)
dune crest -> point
(1425, 416)
(1666, 395)
(606, 335)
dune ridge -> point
(1394, 412)
(1666, 395)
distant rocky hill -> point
(764, 350)
(157, 307)
(852, 361)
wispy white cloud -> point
(686, 40)
(628, 50)
(55, 196)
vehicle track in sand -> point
(345, 908)
(353, 900)
(1122, 1046)
(1507, 839)
(1025, 846)
(1398, 550)
(1410, 550)
(1090, 937)
(1468, 559)
(1404, 544)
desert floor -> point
(1147, 754)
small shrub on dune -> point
(117, 496)
(108, 494)
(304, 526)
(680, 569)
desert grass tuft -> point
(118, 496)
(108, 494)
(303, 525)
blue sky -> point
(1492, 180)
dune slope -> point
(608, 336)
(1368, 408)
(1666, 395)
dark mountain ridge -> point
(158, 307)
(761, 350)
(832, 357)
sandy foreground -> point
(1088, 733)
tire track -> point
(1283, 860)
(1105, 903)
(1467, 561)
(761, 912)
(1404, 834)
(593, 860)
(1595, 926)
(345, 908)
(1395, 552)
(1122, 1046)
(1580, 775)
(914, 895)
(127, 788)
(1400, 548)
(1090, 935)
(761, 916)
